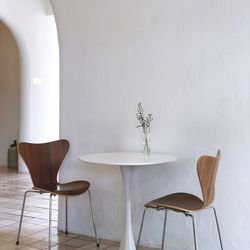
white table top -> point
(127, 159)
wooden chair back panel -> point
(207, 167)
(43, 161)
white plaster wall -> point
(188, 63)
(9, 91)
(36, 35)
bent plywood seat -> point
(187, 203)
(43, 161)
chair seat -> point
(69, 188)
(182, 202)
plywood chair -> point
(189, 204)
(43, 161)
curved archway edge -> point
(36, 37)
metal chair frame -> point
(50, 215)
(187, 214)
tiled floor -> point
(34, 233)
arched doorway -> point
(33, 26)
(9, 90)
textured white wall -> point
(36, 35)
(188, 63)
(9, 91)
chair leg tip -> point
(97, 244)
(66, 232)
(17, 242)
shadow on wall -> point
(9, 90)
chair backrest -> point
(207, 167)
(43, 161)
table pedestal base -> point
(127, 240)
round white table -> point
(127, 162)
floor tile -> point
(92, 246)
(75, 243)
(34, 233)
(113, 248)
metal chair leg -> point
(93, 219)
(66, 215)
(194, 232)
(218, 228)
(164, 230)
(50, 216)
(139, 237)
(21, 218)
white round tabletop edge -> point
(127, 159)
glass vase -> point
(146, 143)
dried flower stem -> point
(144, 123)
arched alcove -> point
(33, 26)
(9, 90)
